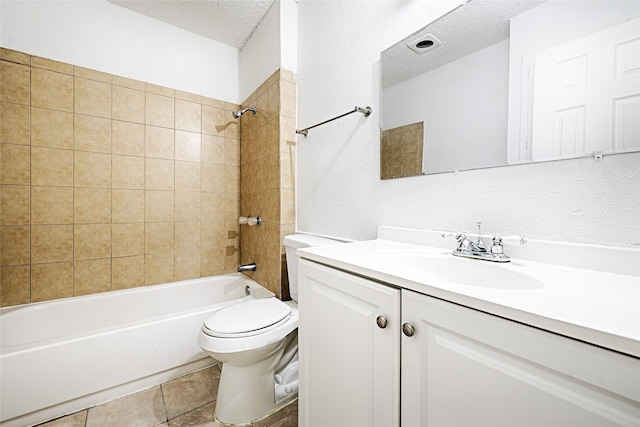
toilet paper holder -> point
(249, 220)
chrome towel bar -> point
(366, 111)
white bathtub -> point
(61, 356)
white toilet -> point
(257, 343)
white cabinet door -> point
(349, 366)
(463, 367)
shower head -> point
(237, 114)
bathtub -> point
(65, 355)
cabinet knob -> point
(408, 330)
(382, 322)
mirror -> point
(505, 82)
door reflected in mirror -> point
(537, 81)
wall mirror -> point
(504, 82)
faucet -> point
(247, 267)
(478, 250)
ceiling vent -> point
(424, 43)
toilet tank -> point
(292, 243)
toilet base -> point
(247, 392)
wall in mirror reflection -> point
(566, 84)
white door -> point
(586, 95)
(462, 367)
(349, 341)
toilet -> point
(257, 342)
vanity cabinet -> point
(458, 367)
(348, 348)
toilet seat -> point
(247, 318)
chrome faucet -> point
(247, 267)
(478, 250)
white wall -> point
(272, 45)
(456, 105)
(100, 35)
(339, 189)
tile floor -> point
(186, 401)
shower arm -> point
(366, 111)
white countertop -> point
(597, 307)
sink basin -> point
(464, 271)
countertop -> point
(597, 307)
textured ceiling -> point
(227, 21)
(467, 29)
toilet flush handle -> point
(382, 322)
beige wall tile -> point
(187, 235)
(127, 138)
(145, 407)
(187, 206)
(232, 129)
(187, 96)
(212, 206)
(91, 241)
(51, 90)
(159, 206)
(159, 237)
(159, 110)
(212, 262)
(15, 164)
(232, 152)
(15, 56)
(127, 172)
(51, 243)
(51, 281)
(92, 134)
(160, 90)
(191, 391)
(51, 167)
(160, 142)
(159, 174)
(159, 268)
(15, 286)
(187, 176)
(188, 116)
(214, 120)
(213, 234)
(127, 239)
(127, 205)
(128, 105)
(92, 205)
(188, 146)
(52, 129)
(16, 85)
(213, 178)
(187, 265)
(49, 64)
(15, 245)
(15, 124)
(92, 98)
(15, 205)
(128, 83)
(51, 205)
(127, 272)
(288, 103)
(213, 149)
(91, 276)
(92, 169)
(90, 74)
(288, 206)
(231, 179)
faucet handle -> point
(514, 240)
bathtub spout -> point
(247, 267)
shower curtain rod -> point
(366, 111)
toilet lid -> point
(247, 318)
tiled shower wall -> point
(110, 183)
(401, 151)
(267, 179)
